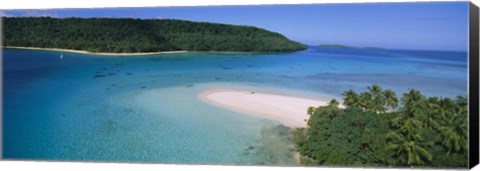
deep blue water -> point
(146, 109)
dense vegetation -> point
(377, 129)
(135, 35)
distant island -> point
(108, 35)
(348, 47)
(374, 48)
(334, 46)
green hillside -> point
(138, 35)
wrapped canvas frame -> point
(473, 86)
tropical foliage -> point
(377, 129)
(136, 35)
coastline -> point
(95, 53)
(288, 110)
(140, 53)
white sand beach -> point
(290, 111)
(95, 53)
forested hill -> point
(138, 35)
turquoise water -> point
(146, 109)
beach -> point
(136, 53)
(288, 110)
(96, 53)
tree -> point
(455, 134)
(149, 35)
(351, 99)
(391, 100)
(412, 101)
(410, 149)
(430, 116)
(366, 102)
(378, 98)
(461, 104)
(358, 136)
(310, 110)
(351, 137)
(375, 89)
(333, 103)
(406, 120)
(445, 107)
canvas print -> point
(324, 85)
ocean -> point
(146, 109)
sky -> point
(421, 26)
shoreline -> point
(139, 53)
(288, 110)
(94, 53)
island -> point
(375, 48)
(125, 35)
(334, 46)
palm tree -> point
(391, 100)
(412, 108)
(462, 104)
(430, 113)
(378, 98)
(351, 99)
(409, 149)
(311, 110)
(406, 123)
(455, 133)
(412, 101)
(445, 108)
(366, 102)
(375, 89)
(333, 103)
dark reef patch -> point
(99, 75)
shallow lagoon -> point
(146, 109)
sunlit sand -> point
(97, 53)
(290, 111)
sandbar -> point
(289, 111)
